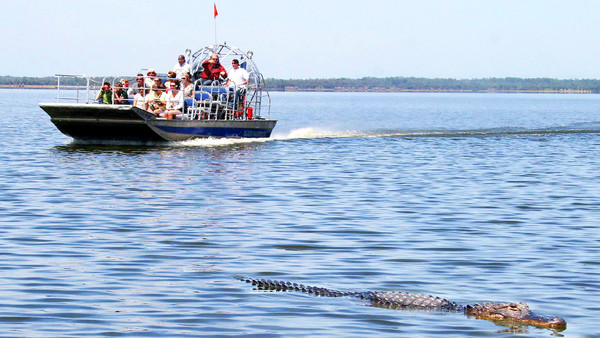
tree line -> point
(437, 84)
(381, 84)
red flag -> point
(216, 13)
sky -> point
(308, 39)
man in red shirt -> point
(213, 71)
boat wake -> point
(302, 133)
(310, 133)
(219, 142)
(316, 133)
(479, 132)
(313, 133)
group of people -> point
(167, 99)
(236, 78)
(214, 73)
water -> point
(468, 197)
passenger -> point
(188, 86)
(238, 77)
(156, 100)
(171, 77)
(237, 81)
(105, 94)
(213, 71)
(177, 83)
(157, 81)
(120, 94)
(125, 84)
(139, 99)
(149, 81)
(182, 67)
(135, 88)
(174, 102)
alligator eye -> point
(497, 316)
(515, 307)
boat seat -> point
(202, 95)
(209, 102)
(214, 90)
(217, 90)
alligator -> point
(509, 313)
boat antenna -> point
(215, 15)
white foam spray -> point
(302, 133)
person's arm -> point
(149, 102)
(179, 98)
(246, 78)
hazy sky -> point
(308, 38)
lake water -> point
(470, 197)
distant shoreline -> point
(370, 90)
(27, 86)
(372, 84)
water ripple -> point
(441, 196)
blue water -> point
(470, 197)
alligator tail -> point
(274, 285)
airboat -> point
(211, 110)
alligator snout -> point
(549, 322)
(518, 313)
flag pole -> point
(215, 15)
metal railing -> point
(79, 89)
(216, 102)
(210, 102)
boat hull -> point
(96, 122)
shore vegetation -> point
(375, 84)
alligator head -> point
(518, 313)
